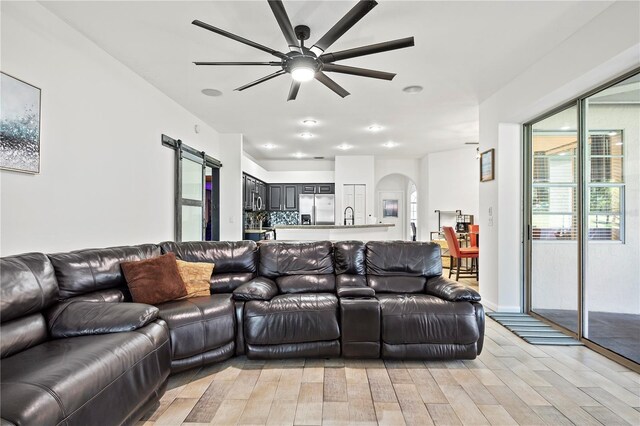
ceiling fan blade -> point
(277, 7)
(293, 92)
(238, 38)
(401, 43)
(322, 78)
(239, 63)
(261, 80)
(362, 72)
(343, 25)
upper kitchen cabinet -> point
(283, 197)
(317, 188)
(254, 193)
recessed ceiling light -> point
(211, 92)
(306, 135)
(562, 153)
(344, 147)
(269, 146)
(390, 144)
(618, 143)
(565, 128)
(309, 122)
(412, 89)
(613, 133)
(299, 155)
(374, 128)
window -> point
(554, 187)
(606, 185)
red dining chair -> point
(458, 253)
(474, 232)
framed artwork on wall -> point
(389, 208)
(19, 125)
(487, 166)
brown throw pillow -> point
(155, 280)
(196, 276)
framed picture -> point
(19, 125)
(487, 160)
(389, 208)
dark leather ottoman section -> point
(292, 318)
(199, 324)
(209, 357)
(360, 319)
(420, 318)
(80, 380)
(430, 351)
(295, 350)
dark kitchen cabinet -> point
(283, 197)
(325, 188)
(307, 188)
(290, 197)
(275, 197)
(252, 189)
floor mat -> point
(532, 330)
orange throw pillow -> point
(155, 280)
(196, 276)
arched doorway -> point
(396, 199)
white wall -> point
(231, 196)
(453, 178)
(289, 171)
(393, 186)
(105, 177)
(588, 58)
(354, 169)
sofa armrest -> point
(259, 288)
(353, 291)
(72, 319)
(348, 285)
(450, 290)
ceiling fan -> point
(305, 64)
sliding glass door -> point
(583, 221)
(554, 218)
(612, 201)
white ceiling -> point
(464, 52)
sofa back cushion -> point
(299, 267)
(403, 258)
(27, 286)
(236, 262)
(85, 271)
(349, 257)
(296, 258)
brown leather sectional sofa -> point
(76, 351)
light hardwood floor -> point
(511, 382)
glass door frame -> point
(580, 103)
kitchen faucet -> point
(345, 215)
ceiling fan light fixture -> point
(306, 135)
(303, 73)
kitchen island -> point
(375, 232)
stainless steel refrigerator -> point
(317, 209)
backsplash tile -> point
(282, 218)
(271, 218)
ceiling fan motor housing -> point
(296, 60)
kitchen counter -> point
(378, 232)
(375, 225)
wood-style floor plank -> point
(510, 383)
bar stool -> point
(455, 251)
(474, 232)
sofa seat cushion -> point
(421, 318)
(199, 324)
(292, 318)
(79, 380)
